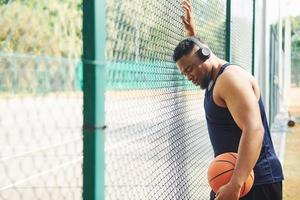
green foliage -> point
(295, 25)
(44, 30)
(3, 2)
(41, 28)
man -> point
(235, 117)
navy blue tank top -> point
(225, 137)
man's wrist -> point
(191, 33)
(236, 183)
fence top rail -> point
(32, 56)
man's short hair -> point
(183, 48)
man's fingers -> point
(184, 20)
(188, 4)
(216, 196)
(187, 11)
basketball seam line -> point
(226, 161)
(220, 174)
(233, 155)
(243, 188)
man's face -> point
(195, 69)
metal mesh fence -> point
(157, 144)
(40, 100)
(274, 72)
(295, 68)
(241, 33)
(156, 138)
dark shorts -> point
(271, 191)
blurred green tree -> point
(41, 28)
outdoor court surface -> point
(41, 146)
(292, 150)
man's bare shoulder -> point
(234, 74)
(235, 79)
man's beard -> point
(205, 82)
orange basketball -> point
(220, 171)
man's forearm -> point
(248, 153)
(191, 32)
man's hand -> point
(228, 192)
(188, 20)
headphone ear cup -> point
(203, 54)
(206, 52)
(199, 54)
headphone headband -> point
(196, 41)
(205, 52)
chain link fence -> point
(156, 141)
(40, 100)
(295, 68)
(157, 144)
(241, 33)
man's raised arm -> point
(188, 18)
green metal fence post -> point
(93, 100)
(228, 31)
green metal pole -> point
(253, 40)
(228, 31)
(93, 99)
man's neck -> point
(216, 67)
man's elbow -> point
(260, 131)
(256, 130)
